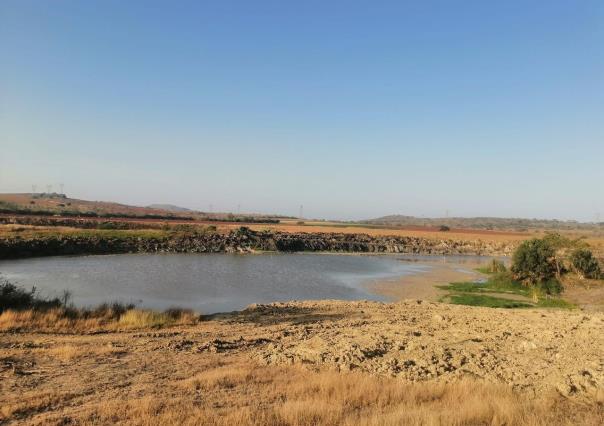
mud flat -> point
(423, 285)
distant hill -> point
(42, 203)
(60, 204)
(169, 208)
(489, 223)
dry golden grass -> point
(32, 402)
(62, 320)
(243, 393)
(48, 320)
(72, 352)
(138, 318)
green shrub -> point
(534, 262)
(585, 263)
(551, 287)
(444, 228)
(17, 298)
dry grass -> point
(149, 377)
(70, 352)
(48, 320)
(66, 320)
(137, 318)
(245, 393)
(32, 402)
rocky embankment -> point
(243, 241)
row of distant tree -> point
(488, 223)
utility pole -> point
(33, 189)
(301, 212)
(48, 189)
(62, 186)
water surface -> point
(207, 283)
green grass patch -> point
(555, 302)
(469, 293)
(497, 283)
(486, 301)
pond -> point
(209, 283)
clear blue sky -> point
(354, 109)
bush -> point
(534, 262)
(585, 264)
(444, 228)
(17, 298)
(551, 287)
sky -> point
(353, 109)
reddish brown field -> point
(292, 225)
(404, 232)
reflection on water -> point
(208, 283)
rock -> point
(243, 242)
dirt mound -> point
(530, 350)
(258, 365)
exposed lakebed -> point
(212, 282)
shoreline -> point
(422, 284)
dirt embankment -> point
(61, 378)
(418, 340)
(242, 242)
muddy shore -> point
(423, 285)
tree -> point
(534, 262)
(585, 264)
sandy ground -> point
(63, 378)
(423, 284)
(589, 297)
